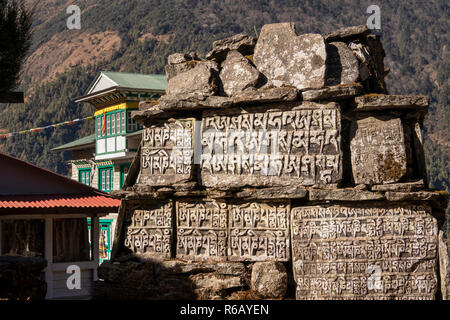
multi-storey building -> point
(102, 159)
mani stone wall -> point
(280, 167)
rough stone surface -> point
(338, 92)
(238, 74)
(273, 193)
(444, 266)
(221, 268)
(365, 251)
(342, 65)
(202, 79)
(400, 187)
(133, 280)
(242, 43)
(378, 151)
(371, 102)
(347, 33)
(264, 95)
(344, 195)
(178, 63)
(269, 279)
(406, 196)
(290, 60)
(193, 101)
(212, 286)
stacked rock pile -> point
(284, 157)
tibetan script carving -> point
(378, 150)
(167, 153)
(259, 231)
(201, 230)
(291, 145)
(364, 252)
(148, 231)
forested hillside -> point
(138, 35)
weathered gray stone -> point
(344, 195)
(378, 153)
(238, 74)
(342, 65)
(409, 196)
(444, 266)
(221, 268)
(400, 187)
(338, 92)
(371, 102)
(269, 279)
(212, 286)
(180, 62)
(193, 101)
(358, 251)
(290, 60)
(202, 79)
(242, 43)
(264, 95)
(348, 33)
(290, 192)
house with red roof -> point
(44, 214)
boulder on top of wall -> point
(180, 62)
(290, 60)
(347, 33)
(342, 65)
(202, 79)
(241, 42)
(238, 74)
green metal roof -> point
(138, 81)
(85, 141)
(80, 142)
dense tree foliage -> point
(414, 35)
(15, 40)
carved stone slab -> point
(259, 231)
(148, 230)
(378, 150)
(272, 145)
(167, 153)
(365, 251)
(201, 230)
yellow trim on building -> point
(120, 106)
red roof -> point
(28, 189)
(58, 201)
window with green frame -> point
(84, 176)
(123, 173)
(106, 178)
(116, 123)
